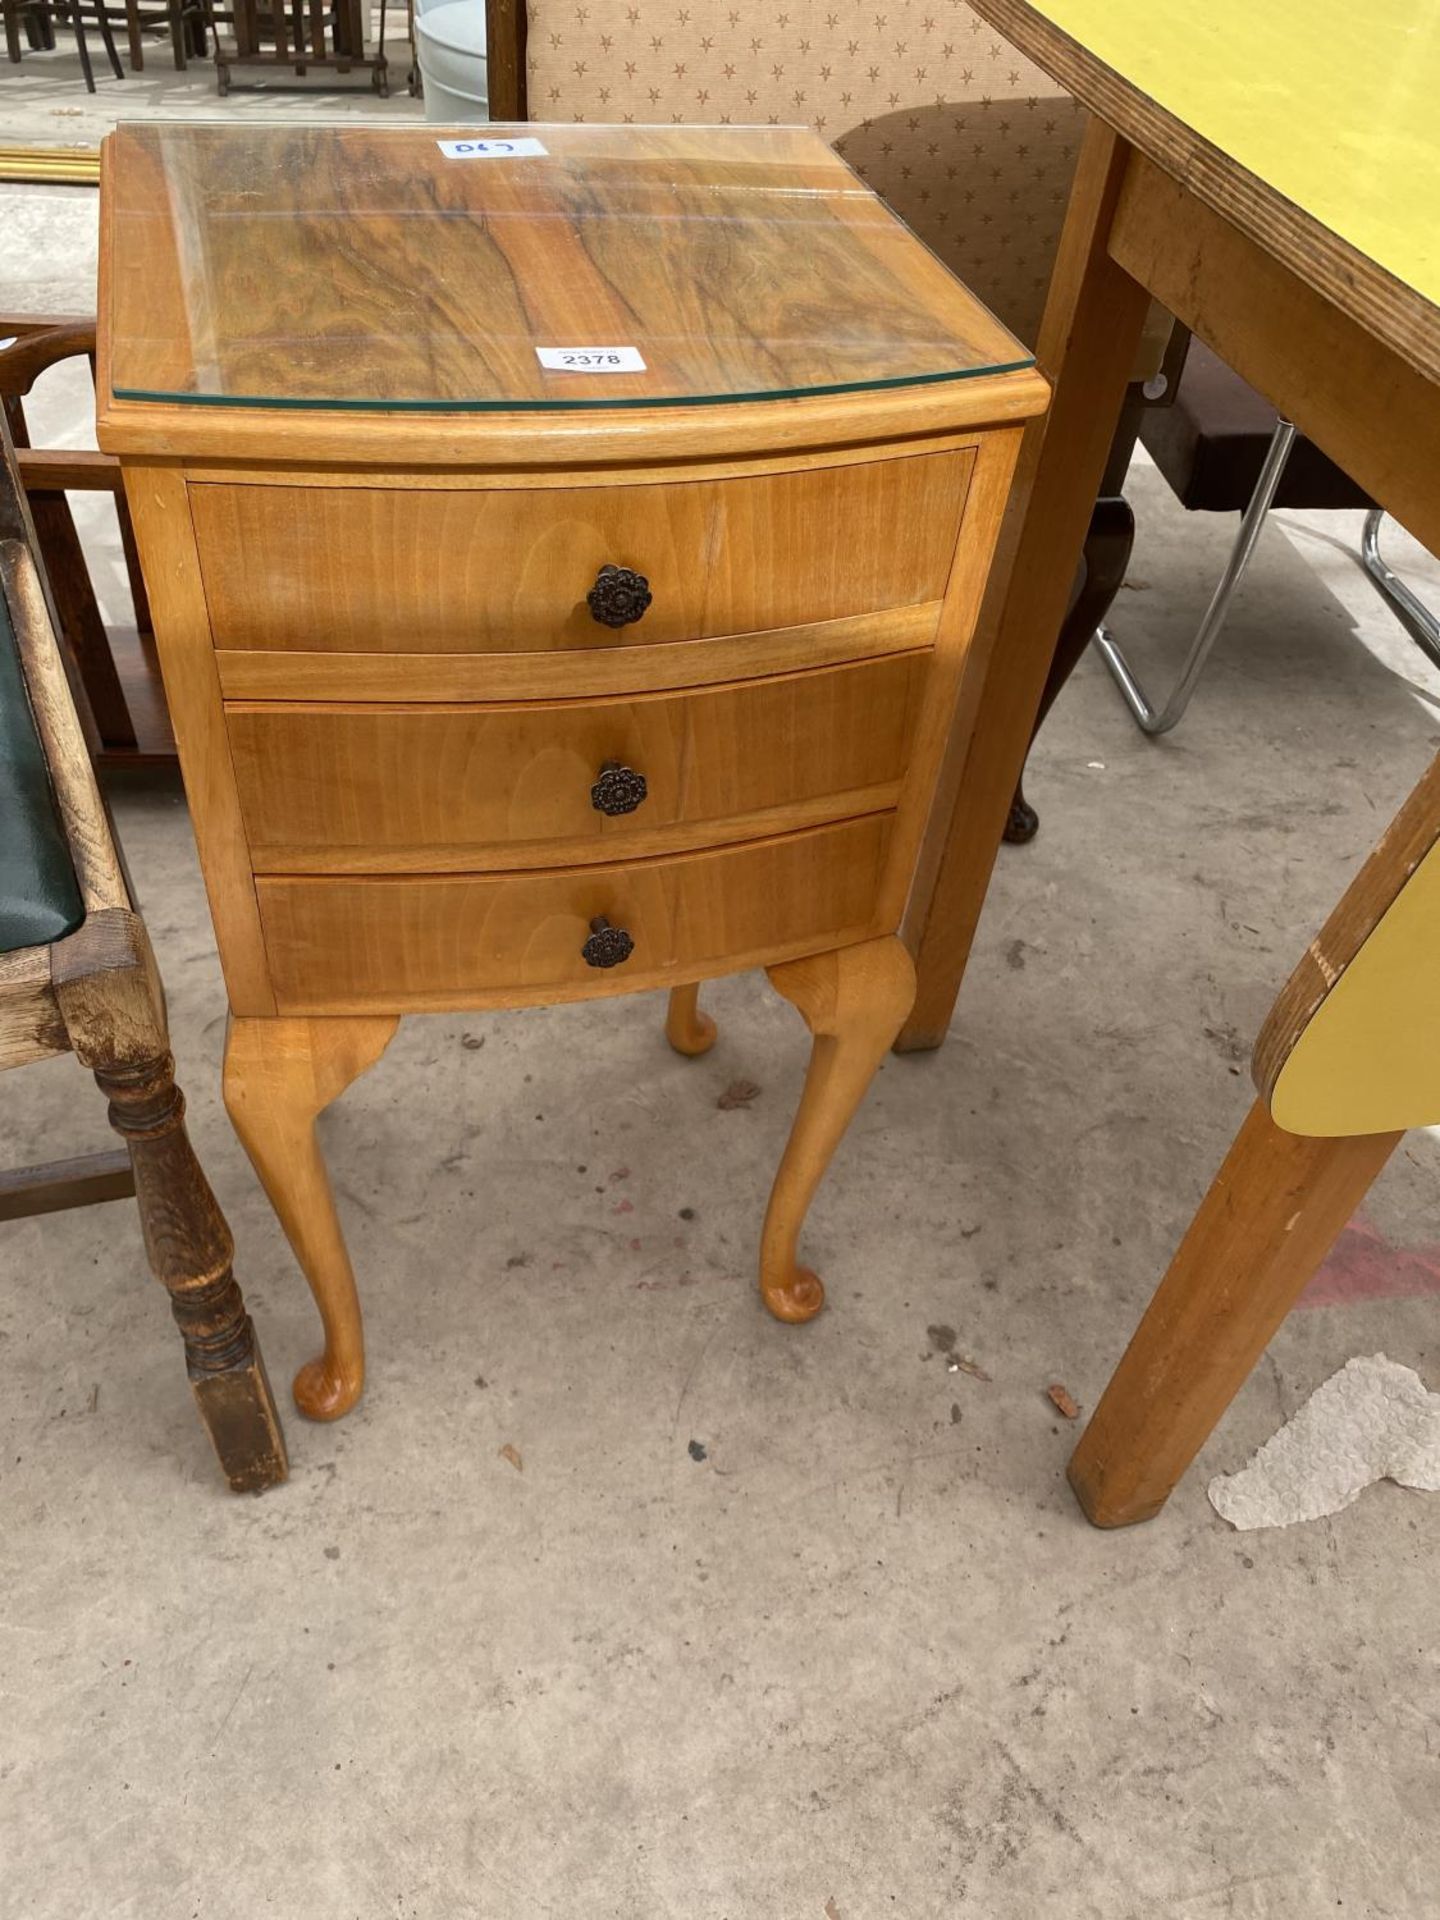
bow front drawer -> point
(465, 940)
(435, 569)
(368, 788)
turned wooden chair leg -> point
(687, 1028)
(108, 992)
(190, 1251)
(1271, 1215)
(280, 1075)
(854, 1001)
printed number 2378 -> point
(591, 359)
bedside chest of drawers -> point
(563, 547)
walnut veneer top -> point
(358, 269)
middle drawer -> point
(390, 788)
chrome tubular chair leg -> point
(1155, 720)
(1412, 613)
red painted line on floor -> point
(1364, 1265)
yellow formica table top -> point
(1369, 1059)
(1314, 124)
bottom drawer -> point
(343, 945)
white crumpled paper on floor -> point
(1373, 1420)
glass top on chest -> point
(533, 267)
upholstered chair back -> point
(969, 142)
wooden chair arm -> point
(21, 323)
(68, 470)
(33, 344)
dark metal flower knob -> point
(607, 945)
(618, 790)
(618, 597)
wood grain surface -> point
(1094, 318)
(161, 512)
(522, 445)
(97, 992)
(31, 1024)
(59, 1185)
(576, 674)
(688, 1028)
(1330, 373)
(1271, 1215)
(376, 788)
(392, 700)
(67, 755)
(853, 1001)
(1313, 130)
(738, 261)
(395, 570)
(411, 944)
(506, 28)
(280, 1075)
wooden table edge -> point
(1396, 313)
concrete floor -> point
(864, 1657)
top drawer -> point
(433, 570)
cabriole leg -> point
(688, 1030)
(280, 1075)
(853, 1000)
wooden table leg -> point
(1270, 1217)
(853, 1001)
(280, 1075)
(1088, 341)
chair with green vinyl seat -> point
(77, 975)
(39, 895)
